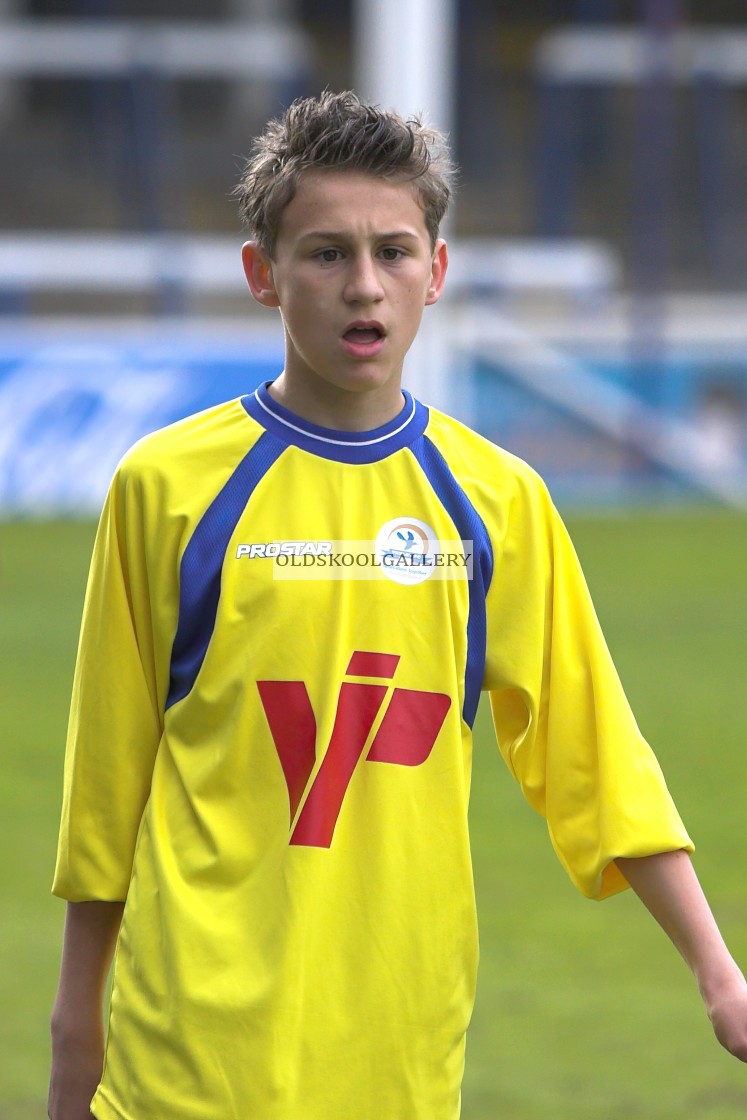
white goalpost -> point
(405, 59)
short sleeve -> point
(563, 723)
(115, 723)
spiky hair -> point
(340, 132)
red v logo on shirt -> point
(405, 737)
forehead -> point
(352, 201)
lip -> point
(363, 350)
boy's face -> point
(352, 271)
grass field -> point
(584, 1011)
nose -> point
(363, 284)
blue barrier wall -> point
(701, 388)
(73, 400)
(70, 406)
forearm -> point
(90, 935)
(669, 888)
(77, 1017)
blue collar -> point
(343, 447)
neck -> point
(345, 410)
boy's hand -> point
(728, 1014)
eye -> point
(329, 256)
(392, 253)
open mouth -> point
(363, 336)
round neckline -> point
(331, 443)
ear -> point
(258, 272)
(439, 265)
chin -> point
(363, 380)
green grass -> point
(43, 569)
(584, 1011)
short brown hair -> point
(340, 132)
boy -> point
(270, 775)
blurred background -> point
(595, 323)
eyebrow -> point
(341, 235)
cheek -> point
(410, 296)
(417, 289)
(308, 304)
(306, 323)
(413, 300)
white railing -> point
(141, 263)
(79, 48)
(624, 55)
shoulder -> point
(187, 461)
(492, 476)
(167, 480)
(225, 430)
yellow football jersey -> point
(270, 746)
